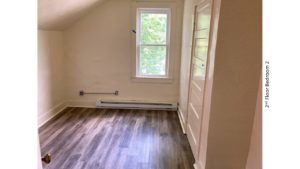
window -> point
(152, 42)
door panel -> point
(198, 72)
(193, 121)
(203, 16)
(201, 48)
(196, 102)
(202, 34)
(192, 140)
(199, 69)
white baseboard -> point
(182, 122)
(54, 111)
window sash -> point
(139, 44)
(140, 74)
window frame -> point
(138, 44)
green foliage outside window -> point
(153, 32)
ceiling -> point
(59, 14)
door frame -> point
(202, 3)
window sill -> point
(152, 79)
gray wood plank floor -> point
(87, 138)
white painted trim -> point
(54, 110)
(151, 80)
(196, 166)
(193, 137)
(182, 122)
(173, 42)
(155, 10)
(200, 166)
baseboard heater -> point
(136, 105)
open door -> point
(198, 73)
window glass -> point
(153, 28)
(152, 42)
(153, 60)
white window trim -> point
(174, 54)
(167, 45)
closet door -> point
(198, 71)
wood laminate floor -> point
(87, 138)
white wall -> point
(59, 14)
(238, 58)
(98, 58)
(186, 48)
(50, 74)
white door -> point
(198, 71)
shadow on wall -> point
(50, 74)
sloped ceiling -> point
(59, 14)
